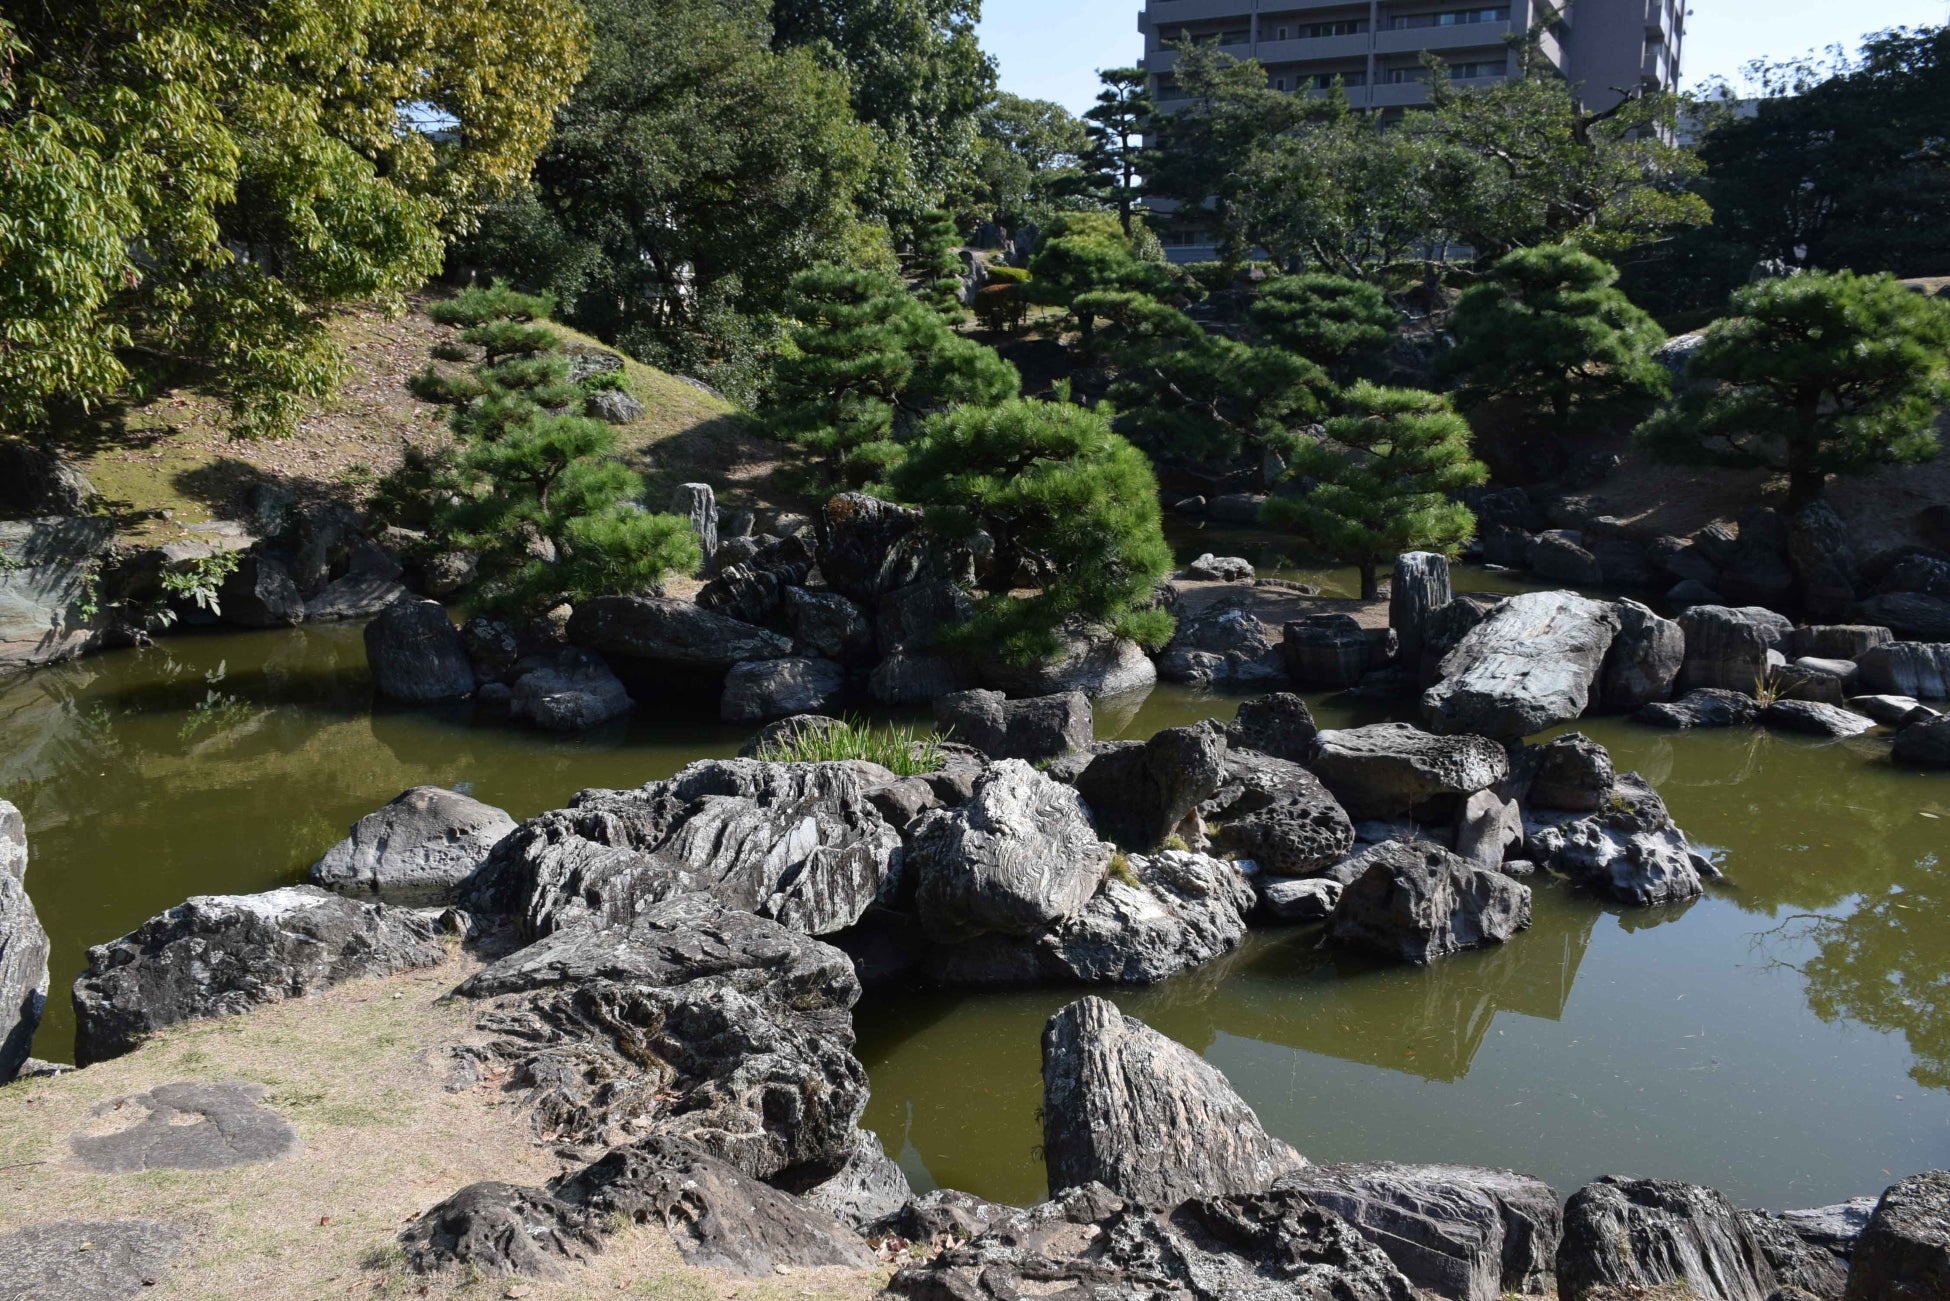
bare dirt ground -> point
(355, 1071)
(1272, 605)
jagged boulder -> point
(1277, 814)
(1629, 851)
(1018, 858)
(1923, 744)
(1458, 1232)
(1571, 772)
(1226, 646)
(1090, 1244)
(826, 625)
(1145, 1116)
(1703, 707)
(1159, 915)
(1333, 651)
(761, 690)
(1044, 727)
(1388, 769)
(1904, 1252)
(1915, 616)
(1209, 568)
(1140, 795)
(416, 655)
(692, 1021)
(1279, 725)
(1088, 660)
(1489, 829)
(23, 949)
(1644, 660)
(221, 955)
(1532, 663)
(677, 634)
(1298, 899)
(1621, 1235)
(801, 844)
(860, 546)
(1727, 647)
(1419, 902)
(260, 593)
(868, 1189)
(1798, 1265)
(1420, 588)
(1907, 668)
(418, 849)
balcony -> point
(1164, 60)
(1180, 11)
(1325, 47)
(1658, 19)
(1400, 94)
(1410, 40)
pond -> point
(1786, 1038)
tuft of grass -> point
(1120, 870)
(1177, 843)
(902, 749)
(1772, 687)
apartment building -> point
(1604, 47)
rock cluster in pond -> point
(1419, 902)
(1532, 663)
(417, 849)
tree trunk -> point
(1804, 486)
(1370, 581)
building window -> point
(1457, 72)
(1320, 31)
(1451, 18)
(1325, 80)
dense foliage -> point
(1030, 160)
(1384, 477)
(1550, 332)
(537, 491)
(1116, 124)
(1070, 508)
(203, 183)
(1814, 375)
(1339, 324)
(937, 263)
(1084, 252)
(865, 362)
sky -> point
(1052, 49)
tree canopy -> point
(187, 182)
(1030, 162)
(1115, 160)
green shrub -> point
(482, 304)
(1336, 323)
(500, 339)
(937, 263)
(447, 390)
(1085, 251)
(1003, 274)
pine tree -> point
(1383, 474)
(1338, 324)
(866, 361)
(1814, 376)
(937, 263)
(1063, 499)
(1551, 331)
(1117, 127)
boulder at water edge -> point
(574, 693)
(1279, 725)
(1924, 744)
(1387, 769)
(1644, 660)
(1044, 727)
(417, 655)
(417, 849)
(1908, 668)
(1140, 795)
(1629, 851)
(1419, 902)
(1278, 815)
(1533, 662)
(1904, 1252)
(762, 690)
(1727, 647)
(1146, 1117)
(677, 634)
(1623, 1235)
(1702, 707)
(220, 955)
(23, 949)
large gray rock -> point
(762, 690)
(1090, 1245)
(1420, 588)
(416, 850)
(1532, 663)
(679, 634)
(575, 693)
(1832, 1228)
(47, 568)
(1629, 851)
(1924, 744)
(1277, 814)
(1333, 651)
(828, 626)
(1279, 725)
(1727, 647)
(1704, 707)
(80, 1260)
(801, 844)
(1799, 1266)
(1907, 668)
(698, 503)
(355, 596)
(1621, 1235)
(190, 1125)
(417, 655)
(1146, 1117)
(1019, 857)
(692, 1021)
(1904, 1252)
(1570, 772)
(1419, 902)
(221, 955)
(914, 617)
(1837, 641)
(1209, 568)
(1915, 616)
(1459, 1232)
(1088, 660)
(1813, 718)
(23, 949)
(861, 551)
(503, 1230)
(260, 593)
(1388, 769)
(1141, 795)
(1224, 646)
(868, 1189)
(1560, 557)
(1298, 899)
(1045, 727)
(1489, 829)
(1160, 915)
(1644, 660)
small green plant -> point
(902, 749)
(1177, 843)
(1120, 870)
(606, 381)
(1772, 686)
(446, 390)
(482, 304)
(451, 350)
(198, 581)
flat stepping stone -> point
(85, 1261)
(190, 1126)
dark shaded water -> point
(1786, 1038)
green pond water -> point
(1786, 1038)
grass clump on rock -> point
(903, 749)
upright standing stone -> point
(23, 948)
(699, 504)
(1421, 588)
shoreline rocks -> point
(418, 849)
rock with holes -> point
(23, 949)
(1534, 661)
(1458, 1232)
(1904, 1250)
(1145, 1116)
(220, 955)
(869, 1188)
(1621, 1235)
(696, 1022)
(1388, 769)
(1279, 725)
(1278, 815)
(502, 1230)
(416, 850)
(1141, 795)
(1629, 851)
(1419, 902)
(1162, 914)
(801, 844)
(1019, 857)
(1225, 646)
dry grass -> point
(381, 1142)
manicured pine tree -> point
(1384, 473)
(1117, 127)
(937, 263)
(1063, 498)
(1813, 376)
(1338, 324)
(1551, 331)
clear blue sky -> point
(1051, 49)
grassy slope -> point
(168, 462)
(382, 1141)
